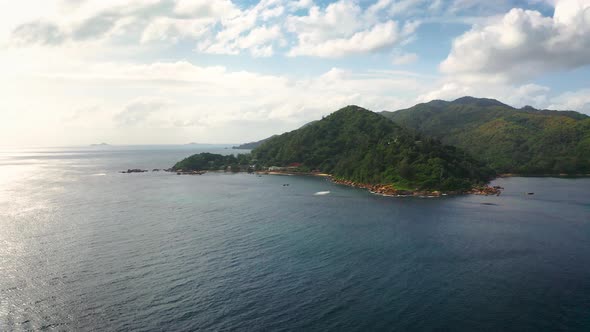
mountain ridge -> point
(510, 140)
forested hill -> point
(359, 145)
(510, 140)
(251, 145)
(254, 145)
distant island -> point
(100, 144)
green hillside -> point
(510, 140)
(359, 145)
(251, 145)
(212, 162)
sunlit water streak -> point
(83, 247)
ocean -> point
(85, 248)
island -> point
(511, 141)
(359, 148)
(431, 149)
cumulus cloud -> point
(499, 57)
(106, 53)
(342, 28)
(206, 8)
(246, 31)
(172, 30)
(128, 20)
(38, 32)
(574, 100)
(515, 95)
(379, 37)
(523, 44)
(205, 103)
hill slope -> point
(254, 145)
(359, 145)
(251, 145)
(510, 140)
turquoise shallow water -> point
(83, 247)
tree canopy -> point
(509, 140)
(359, 145)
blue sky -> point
(226, 71)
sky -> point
(77, 72)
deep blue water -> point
(85, 248)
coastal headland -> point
(377, 189)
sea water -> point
(86, 248)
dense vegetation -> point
(359, 145)
(510, 140)
(254, 145)
(213, 162)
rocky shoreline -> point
(377, 189)
(169, 170)
(390, 190)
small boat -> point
(530, 193)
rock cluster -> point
(380, 189)
(178, 171)
(390, 190)
(134, 170)
(486, 190)
(183, 172)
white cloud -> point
(96, 67)
(295, 5)
(215, 26)
(342, 28)
(523, 44)
(259, 36)
(206, 8)
(574, 100)
(500, 56)
(379, 37)
(515, 95)
(186, 102)
(245, 32)
(173, 29)
(273, 12)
